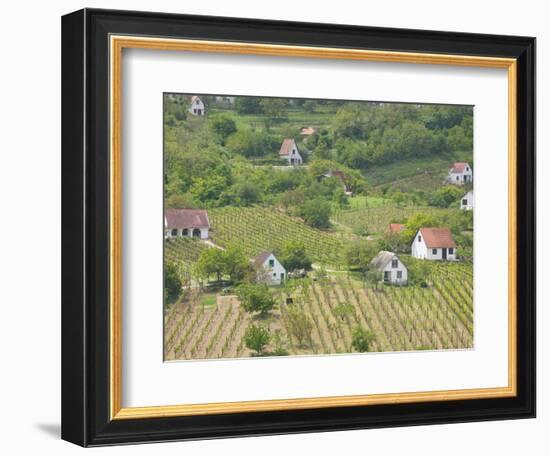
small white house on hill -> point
(268, 269)
(467, 201)
(434, 244)
(186, 223)
(393, 271)
(460, 173)
(289, 152)
(197, 106)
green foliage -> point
(362, 339)
(299, 324)
(373, 277)
(255, 297)
(172, 282)
(252, 144)
(358, 254)
(343, 311)
(223, 126)
(446, 196)
(247, 105)
(275, 108)
(256, 338)
(293, 255)
(316, 213)
(211, 261)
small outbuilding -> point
(460, 173)
(467, 201)
(395, 228)
(197, 106)
(434, 244)
(268, 269)
(289, 152)
(186, 223)
(392, 269)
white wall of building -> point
(293, 157)
(393, 271)
(467, 201)
(420, 250)
(181, 232)
(273, 272)
(461, 178)
(197, 108)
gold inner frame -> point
(117, 44)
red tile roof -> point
(195, 97)
(458, 167)
(286, 146)
(261, 258)
(307, 131)
(396, 227)
(437, 237)
(187, 218)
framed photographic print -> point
(274, 227)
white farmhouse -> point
(289, 152)
(197, 106)
(460, 173)
(467, 201)
(391, 267)
(186, 223)
(434, 244)
(269, 269)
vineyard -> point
(183, 252)
(376, 219)
(256, 229)
(400, 318)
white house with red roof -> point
(434, 244)
(197, 106)
(467, 201)
(389, 264)
(460, 173)
(289, 152)
(268, 269)
(186, 223)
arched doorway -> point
(185, 232)
(175, 232)
(196, 233)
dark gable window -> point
(464, 202)
(271, 263)
(394, 263)
(419, 238)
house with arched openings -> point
(186, 223)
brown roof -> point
(396, 227)
(458, 167)
(261, 258)
(187, 218)
(286, 146)
(437, 237)
(382, 259)
(307, 131)
(195, 97)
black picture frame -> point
(85, 227)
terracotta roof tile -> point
(437, 237)
(396, 227)
(458, 167)
(187, 218)
(286, 146)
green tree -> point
(275, 108)
(362, 339)
(293, 256)
(316, 213)
(235, 263)
(349, 121)
(256, 338)
(358, 254)
(247, 105)
(256, 297)
(343, 310)
(373, 277)
(223, 126)
(211, 261)
(172, 282)
(446, 196)
(299, 324)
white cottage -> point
(197, 106)
(434, 244)
(269, 269)
(186, 223)
(289, 152)
(467, 201)
(393, 271)
(460, 173)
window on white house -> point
(271, 263)
(465, 202)
(434, 251)
(387, 276)
(399, 274)
(174, 232)
(457, 177)
(393, 264)
(419, 238)
(451, 250)
(274, 274)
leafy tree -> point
(316, 213)
(211, 261)
(172, 282)
(235, 263)
(349, 121)
(208, 189)
(446, 196)
(256, 338)
(343, 310)
(358, 254)
(256, 298)
(223, 126)
(293, 256)
(275, 108)
(309, 106)
(247, 193)
(373, 277)
(247, 105)
(299, 324)
(362, 339)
